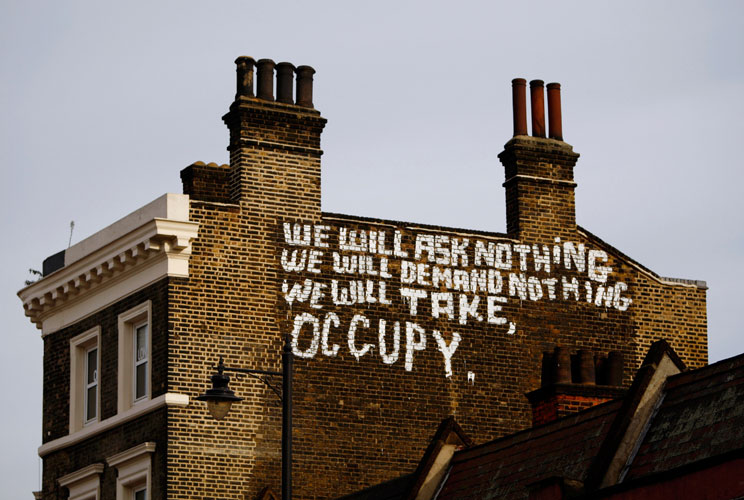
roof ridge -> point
(362, 218)
(519, 436)
(647, 379)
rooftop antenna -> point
(72, 226)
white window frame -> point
(87, 384)
(128, 323)
(80, 346)
(137, 490)
(83, 484)
(137, 363)
(134, 470)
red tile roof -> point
(503, 468)
(701, 416)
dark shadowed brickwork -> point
(57, 395)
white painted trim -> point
(439, 468)
(133, 470)
(106, 294)
(161, 247)
(536, 178)
(103, 426)
(140, 314)
(168, 206)
(80, 474)
(83, 484)
(174, 399)
(130, 454)
(79, 346)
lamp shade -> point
(219, 398)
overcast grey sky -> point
(103, 105)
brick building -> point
(394, 325)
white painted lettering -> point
(299, 321)
(436, 304)
(447, 350)
(598, 273)
(518, 285)
(470, 309)
(522, 250)
(412, 295)
(493, 308)
(389, 357)
(412, 344)
(358, 353)
(571, 254)
(329, 351)
(293, 234)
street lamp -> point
(220, 398)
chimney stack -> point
(540, 201)
(272, 121)
(571, 383)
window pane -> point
(140, 494)
(140, 381)
(92, 366)
(90, 403)
(140, 348)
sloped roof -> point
(503, 468)
(701, 417)
(395, 489)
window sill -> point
(168, 399)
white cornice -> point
(125, 456)
(158, 240)
(81, 474)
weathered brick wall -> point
(207, 182)
(361, 417)
(229, 304)
(56, 403)
(539, 185)
(367, 406)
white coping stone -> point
(168, 206)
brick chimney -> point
(575, 382)
(539, 170)
(275, 142)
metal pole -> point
(287, 362)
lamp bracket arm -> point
(262, 375)
(252, 372)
